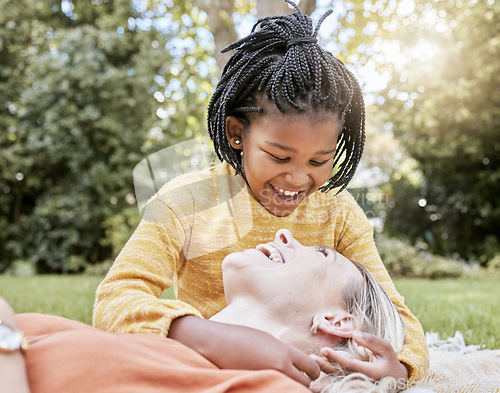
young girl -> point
(284, 115)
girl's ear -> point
(340, 324)
(234, 132)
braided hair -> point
(281, 60)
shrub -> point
(403, 260)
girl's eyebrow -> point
(287, 148)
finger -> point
(307, 365)
(377, 345)
(325, 365)
(316, 387)
(299, 376)
(349, 365)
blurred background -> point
(90, 88)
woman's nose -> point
(284, 236)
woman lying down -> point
(314, 298)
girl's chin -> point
(281, 210)
(285, 206)
(280, 205)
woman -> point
(66, 355)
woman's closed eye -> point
(323, 250)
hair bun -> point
(301, 40)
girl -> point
(65, 355)
(284, 115)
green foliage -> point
(442, 103)
(85, 93)
(403, 260)
(119, 228)
(494, 263)
(90, 88)
(452, 132)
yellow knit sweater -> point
(194, 221)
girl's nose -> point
(284, 236)
(299, 178)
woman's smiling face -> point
(286, 157)
(284, 277)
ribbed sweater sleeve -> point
(128, 299)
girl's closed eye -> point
(279, 159)
(319, 163)
(286, 159)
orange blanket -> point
(69, 356)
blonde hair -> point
(375, 313)
(368, 302)
(359, 383)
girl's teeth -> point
(286, 192)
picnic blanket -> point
(459, 368)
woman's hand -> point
(239, 347)
(383, 361)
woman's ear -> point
(340, 324)
(234, 132)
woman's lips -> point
(271, 252)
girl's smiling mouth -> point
(287, 197)
(284, 193)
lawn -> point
(443, 306)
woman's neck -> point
(244, 314)
(292, 329)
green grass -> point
(68, 296)
(442, 306)
(445, 306)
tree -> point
(222, 24)
(85, 86)
(91, 88)
(442, 103)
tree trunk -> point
(272, 7)
(280, 7)
(307, 6)
(221, 24)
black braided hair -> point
(281, 60)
